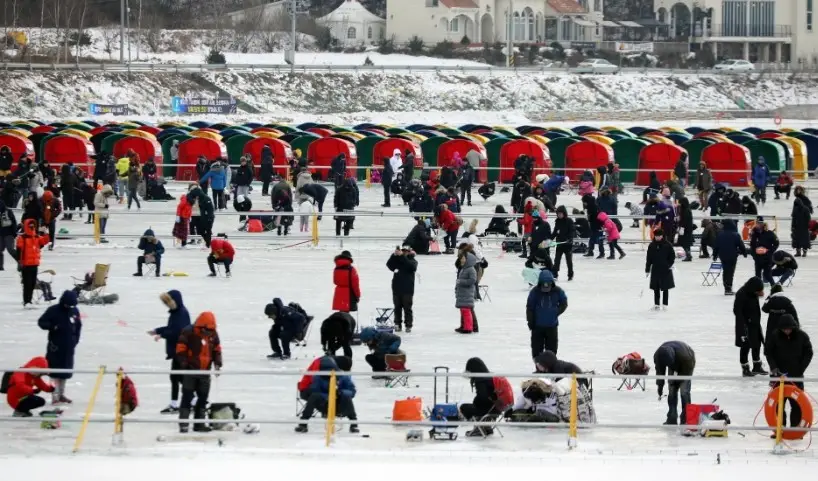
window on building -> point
(734, 18)
(352, 33)
(809, 15)
(597, 6)
(369, 33)
(453, 26)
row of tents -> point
(367, 145)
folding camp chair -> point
(396, 363)
(150, 265)
(384, 315)
(92, 291)
(788, 282)
(484, 292)
(495, 419)
(631, 383)
(711, 276)
(43, 286)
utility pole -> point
(510, 36)
(122, 31)
(128, 26)
(290, 55)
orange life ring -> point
(800, 398)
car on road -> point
(596, 65)
(735, 66)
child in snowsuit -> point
(178, 320)
(381, 344)
(612, 233)
(152, 250)
(287, 324)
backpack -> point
(128, 397)
(630, 364)
(222, 411)
(5, 383)
(5, 219)
(504, 393)
(512, 243)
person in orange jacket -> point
(198, 349)
(221, 252)
(51, 209)
(29, 244)
(23, 388)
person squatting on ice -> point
(546, 302)
(287, 325)
(178, 320)
(675, 358)
(198, 349)
(221, 252)
(64, 326)
(336, 333)
(316, 392)
(492, 396)
(789, 353)
(381, 344)
(23, 388)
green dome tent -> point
(365, 149)
(773, 154)
(694, 148)
(626, 154)
(167, 170)
(557, 148)
(493, 148)
(429, 147)
(235, 147)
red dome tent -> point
(661, 158)
(191, 149)
(62, 149)
(727, 156)
(43, 129)
(445, 154)
(510, 151)
(282, 153)
(321, 132)
(586, 155)
(150, 129)
(18, 146)
(321, 152)
(144, 148)
(385, 148)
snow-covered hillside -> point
(67, 94)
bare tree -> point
(110, 38)
(80, 30)
(271, 30)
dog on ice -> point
(305, 209)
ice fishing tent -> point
(235, 148)
(61, 149)
(110, 141)
(638, 130)
(753, 130)
(43, 129)
(322, 151)
(798, 165)
(659, 158)
(678, 138)
(282, 153)
(509, 152)
(150, 129)
(740, 137)
(321, 132)
(584, 129)
(144, 148)
(773, 153)
(18, 146)
(553, 135)
(493, 148)
(694, 149)
(384, 149)
(302, 143)
(728, 156)
(788, 153)
(168, 169)
(429, 147)
(365, 149)
(811, 143)
(191, 149)
(626, 154)
(446, 151)
(585, 155)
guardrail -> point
(119, 420)
(283, 69)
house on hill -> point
(352, 24)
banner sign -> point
(113, 109)
(182, 105)
(625, 47)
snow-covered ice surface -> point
(605, 319)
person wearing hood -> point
(50, 210)
(32, 208)
(221, 252)
(23, 388)
(8, 231)
(464, 290)
(546, 302)
(315, 190)
(149, 174)
(785, 266)
(198, 349)
(553, 185)
(318, 395)
(761, 175)
(29, 245)
(612, 233)
(763, 244)
(387, 174)
(338, 168)
(303, 179)
(346, 199)
(448, 177)
(686, 227)
(380, 344)
(540, 251)
(592, 211)
(101, 206)
(266, 172)
(659, 266)
(178, 320)
(419, 237)
(287, 325)
(486, 398)
(6, 161)
(337, 332)
(202, 168)
(467, 177)
(207, 214)
(749, 336)
(498, 225)
(789, 353)
(243, 177)
(563, 234)
(242, 204)
(403, 265)
(675, 358)
(748, 207)
(547, 363)
(218, 181)
(422, 202)
(347, 292)
(101, 161)
(799, 227)
(134, 178)
(304, 386)
(607, 202)
(152, 250)
(776, 305)
(680, 170)
(477, 249)
(174, 152)
(728, 246)
(64, 325)
(704, 184)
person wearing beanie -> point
(64, 325)
(675, 358)
(347, 286)
(748, 326)
(288, 323)
(776, 305)
(178, 319)
(658, 266)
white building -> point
(533, 21)
(352, 24)
(756, 30)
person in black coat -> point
(589, 205)
(338, 168)
(207, 213)
(243, 176)
(485, 397)
(32, 208)
(519, 193)
(548, 363)
(467, 176)
(64, 326)
(386, 181)
(607, 202)
(675, 358)
(448, 178)
(346, 199)
(658, 264)
(8, 233)
(748, 325)
(403, 264)
(178, 319)
(785, 266)
(6, 161)
(318, 192)
(563, 234)
(763, 244)
(202, 168)
(408, 167)
(776, 305)
(337, 332)
(68, 182)
(419, 238)
(266, 171)
(242, 204)
(287, 325)
(686, 227)
(789, 353)
(799, 229)
(748, 207)
(540, 239)
(101, 162)
(727, 248)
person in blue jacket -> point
(552, 186)
(319, 396)
(152, 250)
(218, 181)
(546, 302)
(64, 326)
(287, 324)
(761, 175)
(727, 248)
(178, 319)
(381, 344)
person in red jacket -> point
(450, 224)
(51, 209)
(344, 363)
(347, 288)
(783, 185)
(221, 252)
(24, 387)
(184, 211)
(29, 245)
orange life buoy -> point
(799, 397)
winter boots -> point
(745, 371)
(758, 369)
(184, 414)
(302, 428)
